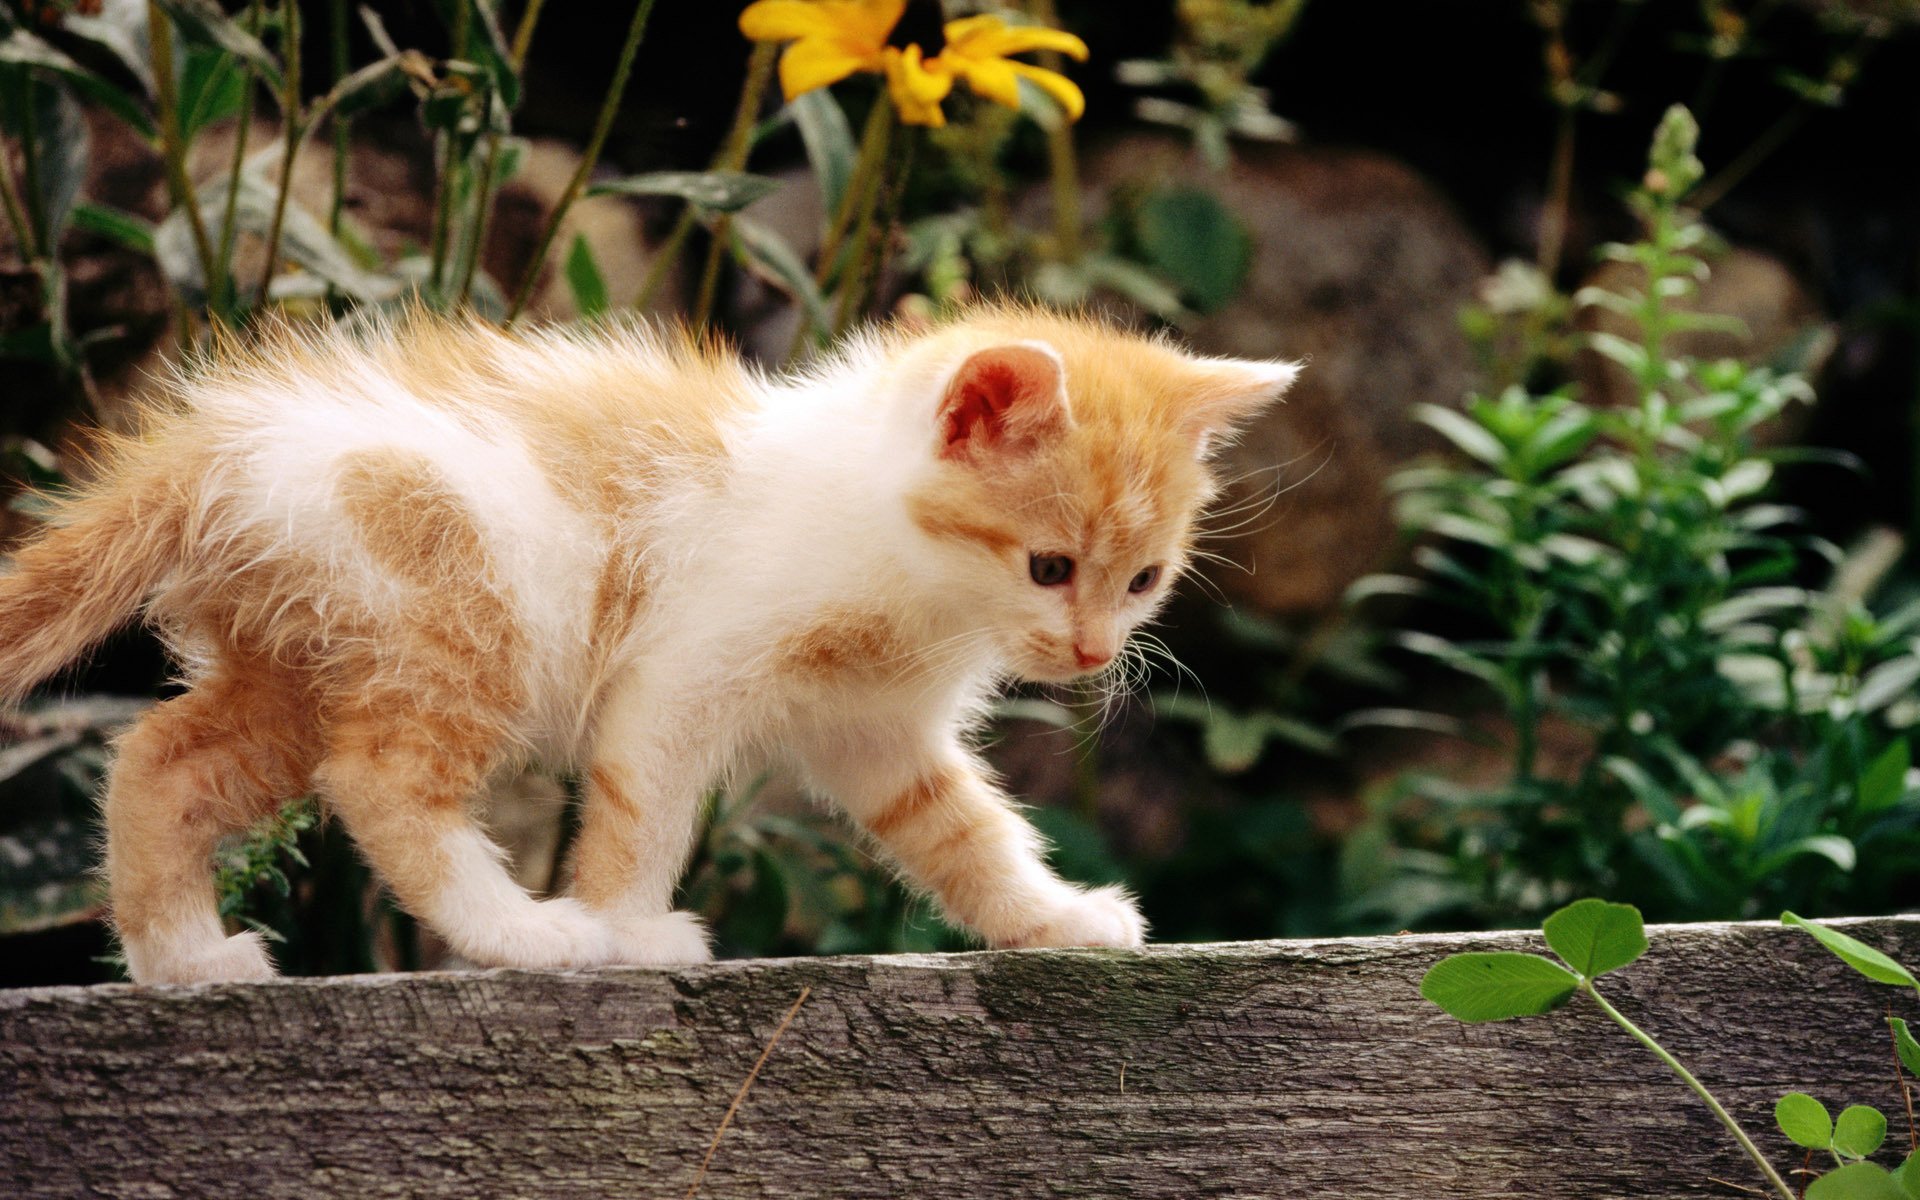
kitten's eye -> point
(1144, 580)
(1050, 570)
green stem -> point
(179, 183)
(873, 150)
(1699, 1089)
(1063, 166)
(30, 174)
(870, 246)
(862, 197)
(733, 157)
(16, 216)
(663, 260)
(609, 107)
(342, 127)
(489, 168)
(445, 186)
(290, 109)
(226, 289)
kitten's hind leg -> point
(400, 777)
(194, 769)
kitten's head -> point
(1068, 463)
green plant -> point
(1723, 739)
(1592, 938)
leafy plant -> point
(1628, 588)
(1592, 938)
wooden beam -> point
(1309, 1069)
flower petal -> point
(917, 87)
(816, 62)
(1064, 91)
(989, 36)
(852, 22)
(990, 78)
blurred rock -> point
(1359, 267)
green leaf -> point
(584, 280)
(1856, 1181)
(829, 142)
(25, 49)
(205, 22)
(1594, 937)
(367, 88)
(767, 255)
(1859, 1130)
(1804, 1120)
(212, 89)
(1884, 783)
(1908, 1176)
(1904, 1045)
(121, 227)
(1193, 239)
(64, 148)
(1465, 433)
(714, 191)
(121, 29)
(1481, 986)
(1856, 954)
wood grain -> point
(1298, 1069)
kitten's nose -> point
(1089, 659)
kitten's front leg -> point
(650, 769)
(956, 833)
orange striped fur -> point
(393, 562)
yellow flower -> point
(917, 87)
(832, 39)
(977, 50)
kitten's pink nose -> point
(1089, 659)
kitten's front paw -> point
(539, 934)
(1101, 917)
(241, 958)
(668, 940)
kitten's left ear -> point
(1230, 392)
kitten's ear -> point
(1003, 399)
(1230, 392)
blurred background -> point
(1578, 563)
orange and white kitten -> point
(394, 564)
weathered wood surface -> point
(1298, 1069)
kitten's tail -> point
(82, 579)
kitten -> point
(393, 564)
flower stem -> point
(732, 157)
(290, 110)
(489, 167)
(226, 288)
(1063, 167)
(609, 107)
(862, 196)
(1699, 1089)
(179, 183)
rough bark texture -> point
(1264, 1069)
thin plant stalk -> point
(229, 220)
(445, 186)
(1063, 165)
(490, 166)
(874, 236)
(1699, 1089)
(179, 183)
(30, 175)
(290, 106)
(733, 157)
(861, 196)
(16, 216)
(342, 126)
(663, 260)
(609, 107)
